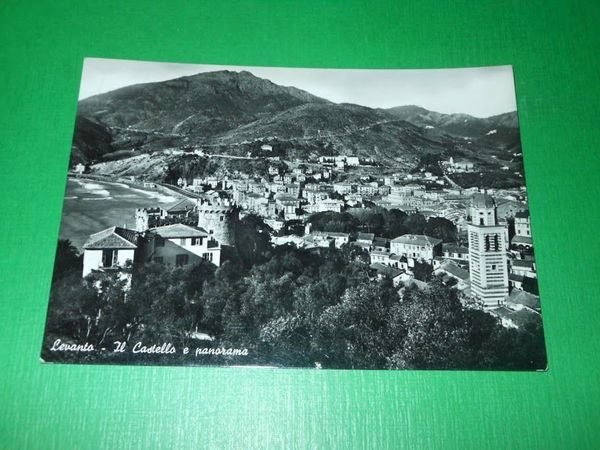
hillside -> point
(231, 113)
(91, 141)
(502, 129)
(202, 105)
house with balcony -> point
(114, 249)
(110, 250)
(179, 245)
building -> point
(180, 208)
(147, 218)
(417, 246)
(110, 250)
(79, 168)
(449, 270)
(219, 218)
(342, 188)
(381, 243)
(454, 251)
(365, 238)
(180, 244)
(352, 160)
(327, 204)
(523, 267)
(381, 257)
(522, 237)
(382, 271)
(326, 238)
(509, 208)
(487, 255)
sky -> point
(478, 91)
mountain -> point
(201, 105)
(462, 125)
(91, 141)
(233, 113)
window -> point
(182, 241)
(158, 259)
(221, 218)
(481, 222)
(197, 241)
(493, 266)
(207, 256)
(109, 258)
(181, 260)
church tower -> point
(487, 253)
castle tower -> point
(146, 218)
(218, 218)
(487, 254)
(141, 220)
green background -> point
(553, 46)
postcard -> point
(287, 217)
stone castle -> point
(217, 216)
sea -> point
(92, 206)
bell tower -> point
(487, 255)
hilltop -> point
(233, 113)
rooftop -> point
(451, 268)
(382, 269)
(112, 238)
(482, 201)
(519, 297)
(179, 230)
(522, 263)
(518, 317)
(183, 204)
(521, 240)
(381, 241)
(365, 236)
(454, 248)
(417, 239)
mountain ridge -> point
(234, 110)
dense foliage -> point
(291, 308)
(384, 223)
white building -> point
(110, 249)
(417, 246)
(487, 255)
(325, 239)
(522, 237)
(180, 244)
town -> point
(487, 257)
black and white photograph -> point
(295, 218)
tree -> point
(352, 333)
(394, 224)
(334, 221)
(441, 228)
(423, 271)
(415, 223)
(436, 335)
(67, 259)
(252, 240)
